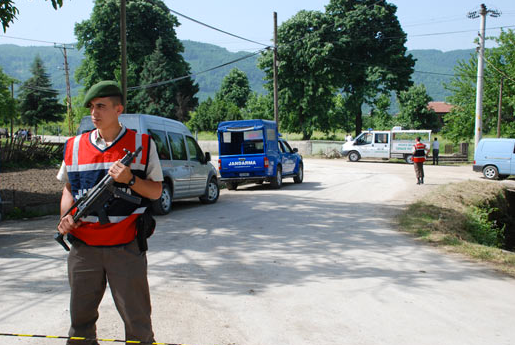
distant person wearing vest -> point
(436, 151)
(419, 157)
(108, 253)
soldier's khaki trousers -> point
(125, 269)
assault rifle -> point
(96, 200)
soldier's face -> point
(104, 113)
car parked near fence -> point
(187, 171)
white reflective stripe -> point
(99, 166)
(138, 144)
(88, 167)
(75, 156)
(113, 219)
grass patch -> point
(18, 213)
(463, 218)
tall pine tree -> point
(167, 100)
(38, 101)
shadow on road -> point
(272, 240)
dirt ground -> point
(30, 189)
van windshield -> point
(236, 143)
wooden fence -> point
(21, 149)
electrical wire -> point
(39, 88)
(216, 29)
(498, 70)
(164, 82)
(30, 39)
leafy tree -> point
(147, 21)
(259, 107)
(339, 115)
(380, 119)
(7, 103)
(164, 100)
(500, 62)
(235, 88)
(415, 113)
(211, 112)
(38, 101)
(305, 77)
(369, 51)
(8, 11)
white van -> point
(187, 171)
(495, 158)
(396, 143)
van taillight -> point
(266, 162)
(219, 164)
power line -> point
(498, 70)
(164, 82)
(30, 39)
(216, 29)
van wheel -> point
(491, 172)
(277, 180)
(354, 156)
(231, 185)
(212, 192)
(300, 174)
(163, 205)
(408, 159)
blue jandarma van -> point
(495, 158)
(253, 151)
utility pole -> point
(12, 117)
(123, 39)
(483, 11)
(69, 116)
(276, 95)
(499, 109)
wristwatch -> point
(132, 181)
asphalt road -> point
(312, 263)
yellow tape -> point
(83, 338)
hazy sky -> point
(430, 24)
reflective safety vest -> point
(420, 153)
(86, 165)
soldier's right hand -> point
(67, 224)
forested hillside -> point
(433, 67)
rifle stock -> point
(95, 200)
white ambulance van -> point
(187, 171)
(396, 143)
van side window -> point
(196, 153)
(162, 145)
(178, 147)
(381, 138)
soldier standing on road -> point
(436, 151)
(419, 157)
(108, 253)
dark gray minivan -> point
(187, 171)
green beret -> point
(106, 88)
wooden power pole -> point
(276, 95)
(499, 109)
(69, 114)
(123, 41)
